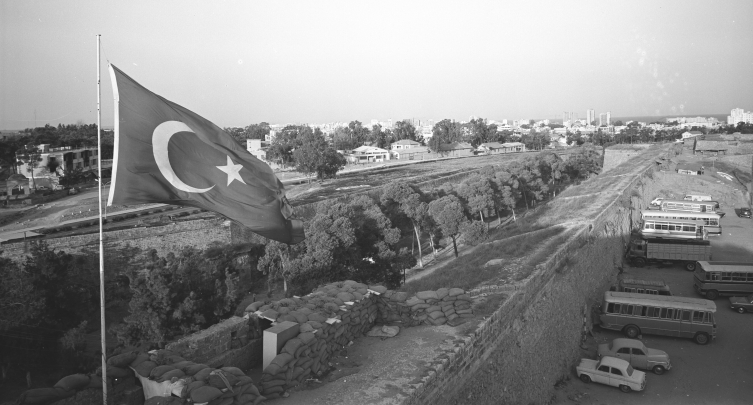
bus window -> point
(664, 227)
(697, 316)
(712, 276)
(687, 228)
(654, 292)
(638, 310)
(613, 308)
(750, 276)
(666, 313)
(678, 314)
(627, 310)
(726, 276)
(686, 315)
(653, 312)
(738, 277)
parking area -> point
(718, 373)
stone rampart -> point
(616, 155)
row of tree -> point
(359, 239)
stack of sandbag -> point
(429, 307)
(67, 387)
(329, 318)
(119, 366)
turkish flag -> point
(165, 153)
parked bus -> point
(697, 197)
(665, 228)
(713, 279)
(635, 314)
(695, 206)
(711, 220)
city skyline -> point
(240, 63)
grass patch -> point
(469, 272)
(489, 304)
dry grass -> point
(470, 272)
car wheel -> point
(712, 294)
(659, 370)
(632, 332)
(741, 310)
(690, 266)
(701, 338)
(639, 262)
(625, 388)
(585, 378)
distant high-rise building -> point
(605, 118)
(590, 117)
(738, 115)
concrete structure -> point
(711, 148)
(404, 144)
(738, 115)
(368, 154)
(275, 337)
(66, 157)
(590, 117)
(691, 134)
(605, 119)
(417, 153)
(456, 149)
(491, 148)
(689, 168)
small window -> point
(640, 290)
(678, 314)
(664, 227)
(624, 350)
(604, 369)
(738, 277)
(664, 314)
(653, 292)
(706, 317)
(628, 289)
(750, 276)
(613, 308)
(671, 227)
(616, 371)
(726, 276)
(653, 312)
(627, 309)
(686, 315)
(638, 352)
(638, 310)
(697, 316)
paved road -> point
(718, 373)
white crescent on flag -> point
(160, 139)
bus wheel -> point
(701, 338)
(712, 294)
(639, 262)
(632, 332)
(690, 266)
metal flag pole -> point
(101, 250)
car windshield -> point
(629, 370)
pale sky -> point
(242, 62)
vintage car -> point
(744, 213)
(637, 354)
(741, 304)
(611, 371)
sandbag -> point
(307, 337)
(175, 373)
(234, 371)
(413, 301)
(205, 394)
(305, 327)
(378, 288)
(253, 307)
(42, 396)
(145, 368)
(203, 374)
(221, 401)
(182, 364)
(399, 296)
(123, 360)
(243, 380)
(465, 297)
(193, 369)
(73, 382)
(192, 386)
(159, 370)
(287, 318)
(425, 295)
(140, 358)
(454, 292)
(291, 346)
(274, 390)
(438, 321)
(442, 292)
(271, 314)
(118, 372)
(299, 317)
(282, 359)
(433, 308)
(436, 314)
(317, 317)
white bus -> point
(664, 228)
(635, 314)
(685, 205)
(711, 221)
(713, 279)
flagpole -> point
(101, 250)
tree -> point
(508, 193)
(30, 156)
(405, 130)
(478, 193)
(179, 294)
(348, 240)
(330, 163)
(20, 303)
(584, 163)
(480, 132)
(445, 131)
(409, 202)
(308, 155)
(275, 263)
(474, 232)
(448, 214)
(618, 123)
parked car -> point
(611, 371)
(744, 213)
(741, 304)
(637, 354)
(657, 201)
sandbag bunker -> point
(305, 332)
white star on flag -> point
(232, 171)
